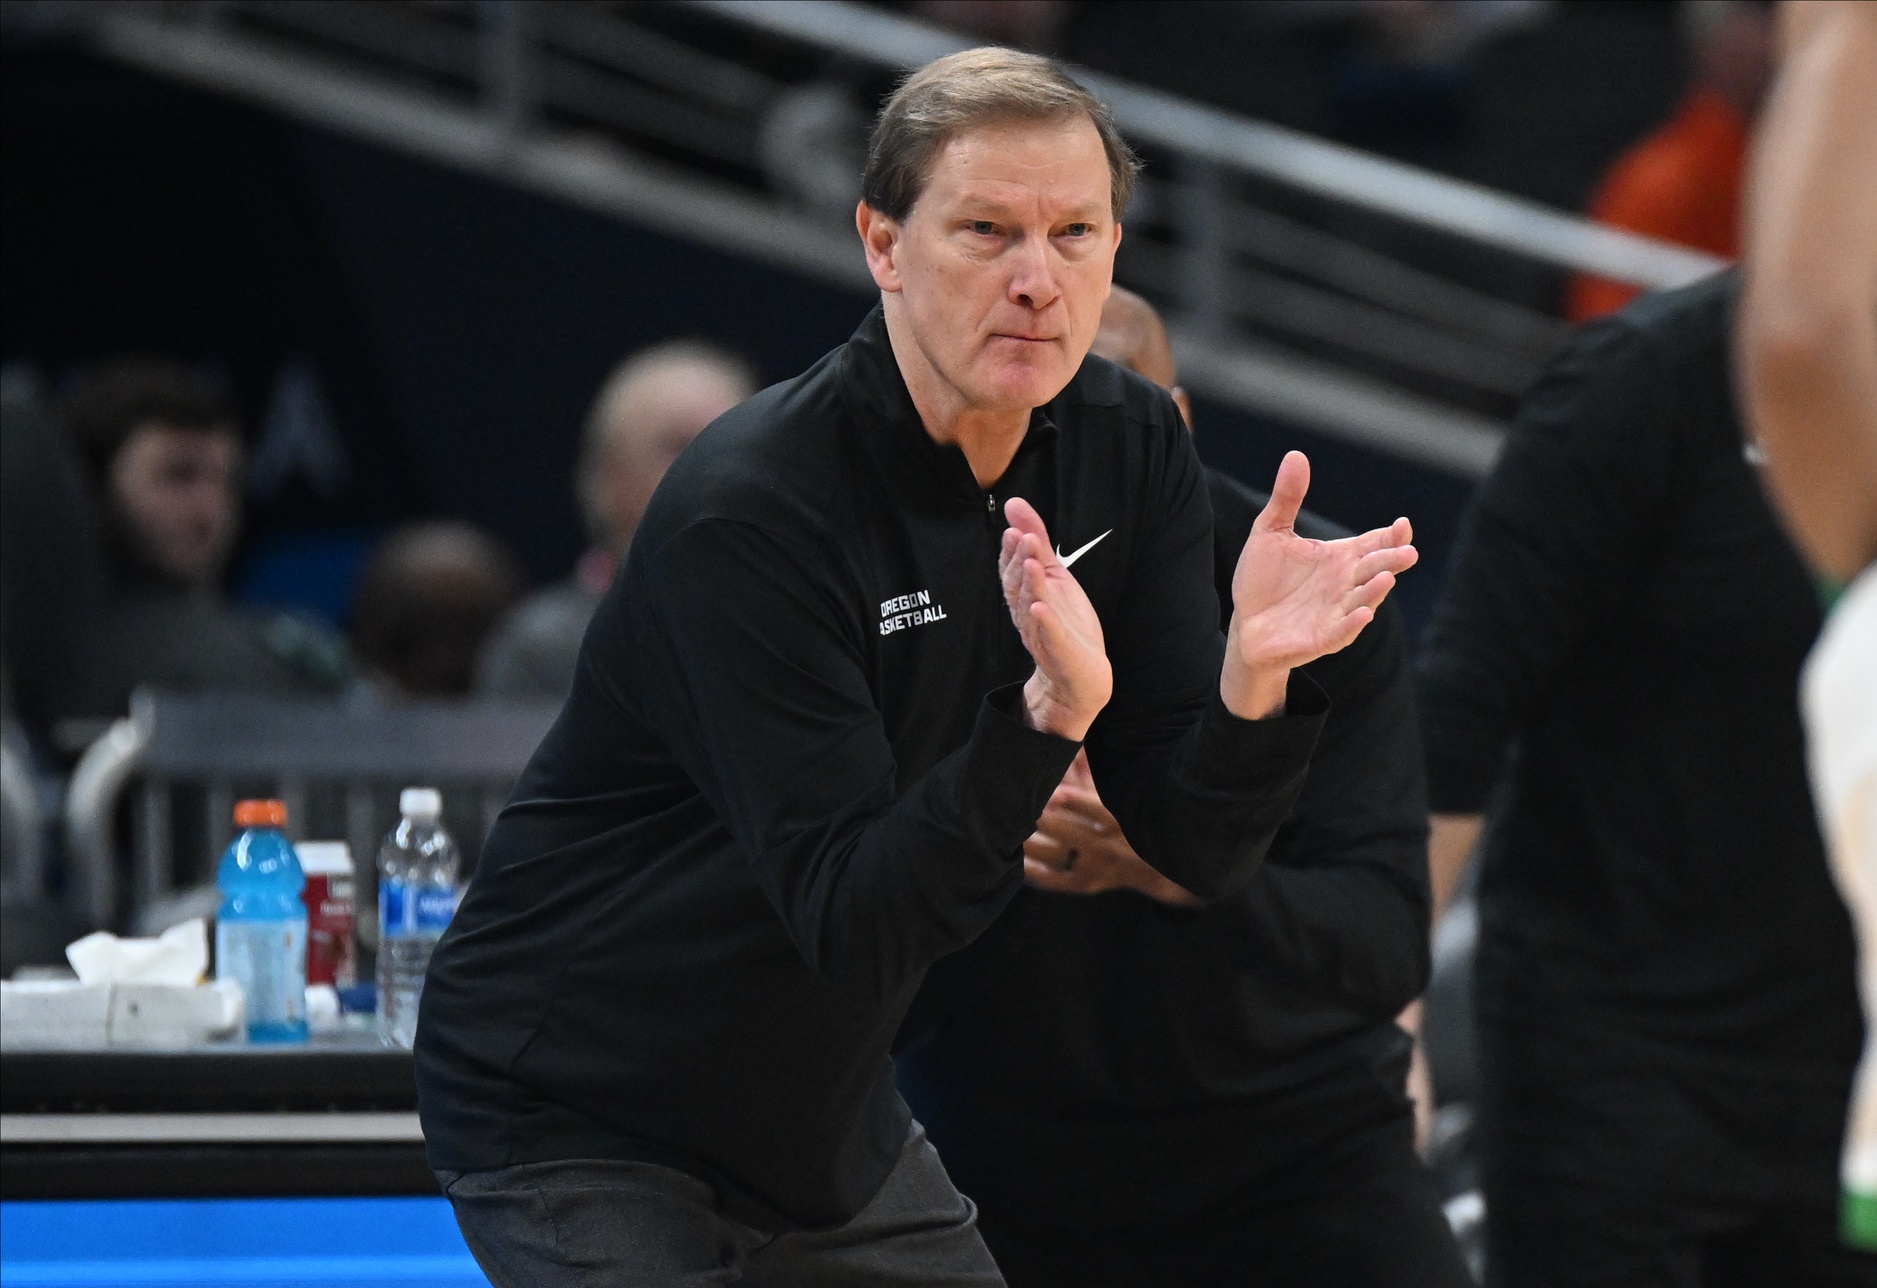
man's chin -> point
(1021, 390)
(193, 574)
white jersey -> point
(1839, 692)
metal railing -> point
(335, 767)
(1304, 280)
(1204, 134)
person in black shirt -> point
(1665, 977)
(821, 709)
(1138, 1090)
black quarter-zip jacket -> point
(792, 773)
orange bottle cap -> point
(260, 814)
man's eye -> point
(1079, 230)
(983, 227)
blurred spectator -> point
(1682, 183)
(1665, 993)
(647, 412)
(1133, 336)
(427, 603)
(164, 455)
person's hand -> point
(1078, 847)
(1295, 600)
(1059, 627)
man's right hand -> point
(1073, 680)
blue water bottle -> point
(260, 932)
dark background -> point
(457, 328)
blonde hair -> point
(972, 88)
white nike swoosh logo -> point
(1069, 559)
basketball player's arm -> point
(1808, 317)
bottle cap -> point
(420, 802)
(260, 814)
(325, 858)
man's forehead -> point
(172, 433)
(1013, 164)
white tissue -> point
(63, 1014)
(180, 955)
(129, 992)
(166, 1015)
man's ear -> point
(879, 236)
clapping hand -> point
(1059, 627)
(1295, 599)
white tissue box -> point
(68, 1014)
(54, 1013)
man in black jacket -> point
(1139, 1090)
(1665, 981)
(819, 712)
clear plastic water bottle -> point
(260, 932)
(416, 899)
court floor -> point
(235, 1243)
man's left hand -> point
(1295, 600)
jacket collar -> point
(881, 412)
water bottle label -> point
(405, 908)
(435, 907)
(396, 909)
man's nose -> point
(1033, 279)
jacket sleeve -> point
(1199, 792)
(1552, 545)
(1341, 911)
(768, 710)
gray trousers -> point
(591, 1223)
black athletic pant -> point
(1547, 1232)
(1604, 1167)
(610, 1224)
(1363, 1213)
